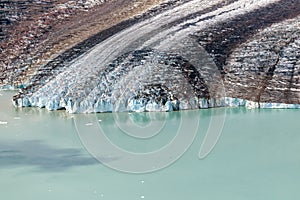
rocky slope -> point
(34, 33)
(159, 56)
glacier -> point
(140, 105)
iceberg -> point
(3, 123)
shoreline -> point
(137, 106)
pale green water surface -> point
(257, 157)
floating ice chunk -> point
(3, 123)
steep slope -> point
(179, 55)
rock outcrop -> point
(178, 55)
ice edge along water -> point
(140, 105)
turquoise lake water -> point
(47, 155)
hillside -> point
(153, 55)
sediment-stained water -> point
(42, 155)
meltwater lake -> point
(51, 155)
